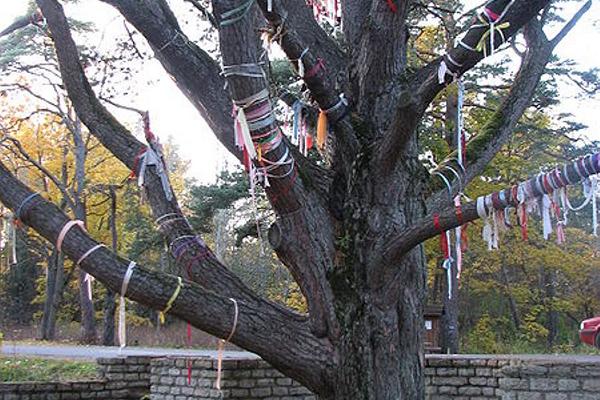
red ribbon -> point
(443, 239)
(459, 214)
(246, 158)
(492, 15)
(315, 69)
(523, 223)
(392, 6)
(136, 162)
(149, 135)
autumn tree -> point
(349, 228)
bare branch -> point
(22, 23)
(571, 24)
(289, 194)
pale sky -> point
(172, 114)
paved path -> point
(93, 352)
(565, 358)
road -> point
(94, 352)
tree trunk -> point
(512, 303)
(552, 314)
(110, 306)
(449, 324)
(381, 347)
(55, 283)
(88, 317)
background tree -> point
(349, 228)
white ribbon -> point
(122, 315)
(442, 71)
(151, 157)
(547, 221)
(245, 133)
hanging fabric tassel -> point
(245, 133)
(442, 71)
(297, 121)
(547, 221)
(460, 137)
(88, 279)
(458, 238)
(189, 360)
(322, 130)
(487, 232)
(122, 315)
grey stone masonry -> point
(187, 379)
(462, 378)
(514, 377)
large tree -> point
(349, 228)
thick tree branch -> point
(291, 196)
(451, 217)
(193, 70)
(259, 329)
(380, 60)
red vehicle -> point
(589, 331)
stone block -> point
(445, 371)
(469, 390)
(543, 384)
(592, 385)
(568, 385)
(513, 384)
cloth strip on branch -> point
(153, 156)
(162, 315)
(545, 192)
(494, 24)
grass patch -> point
(18, 369)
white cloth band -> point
(88, 253)
(65, 229)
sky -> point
(173, 115)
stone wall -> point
(454, 377)
(240, 379)
(446, 377)
(512, 378)
(568, 379)
(120, 378)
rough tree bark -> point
(110, 304)
(88, 315)
(350, 233)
